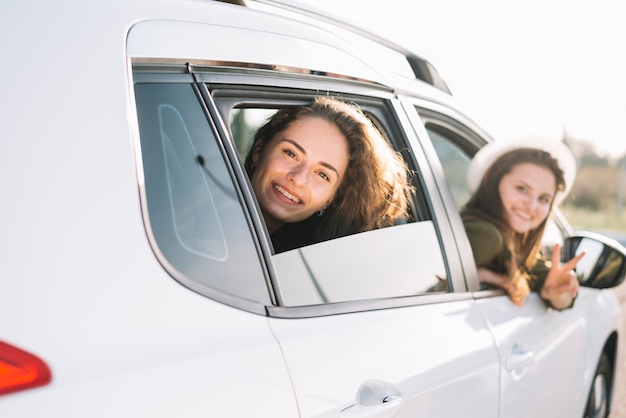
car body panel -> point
(429, 354)
(183, 372)
(536, 370)
(180, 40)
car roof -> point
(420, 68)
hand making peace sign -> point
(561, 284)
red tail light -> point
(20, 370)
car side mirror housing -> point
(604, 264)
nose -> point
(532, 202)
(297, 174)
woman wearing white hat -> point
(514, 186)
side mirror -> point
(604, 264)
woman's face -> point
(299, 171)
(527, 192)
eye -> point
(323, 175)
(290, 153)
(544, 199)
(520, 188)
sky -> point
(532, 67)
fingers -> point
(572, 263)
(556, 255)
(572, 284)
(556, 258)
(575, 286)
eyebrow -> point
(302, 150)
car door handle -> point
(375, 399)
(519, 358)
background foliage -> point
(598, 197)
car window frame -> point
(277, 85)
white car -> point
(138, 279)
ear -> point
(255, 155)
(256, 152)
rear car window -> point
(194, 214)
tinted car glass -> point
(194, 213)
(455, 163)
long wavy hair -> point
(374, 190)
(486, 204)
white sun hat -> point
(488, 154)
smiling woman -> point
(515, 186)
(324, 171)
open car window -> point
(383, 263)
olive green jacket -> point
(491, 253)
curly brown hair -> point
(374, 190)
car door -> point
(539, 348)
(378, 323)
(401, 361)
(541, 360)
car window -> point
(193, 212)
(396, 261)
(455, 163)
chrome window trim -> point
(313, 311)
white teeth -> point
(286, 194)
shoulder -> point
(485, 239)
(483, 230)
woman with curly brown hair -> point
(323, 171)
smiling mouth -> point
(285, 193)
(523, 216)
